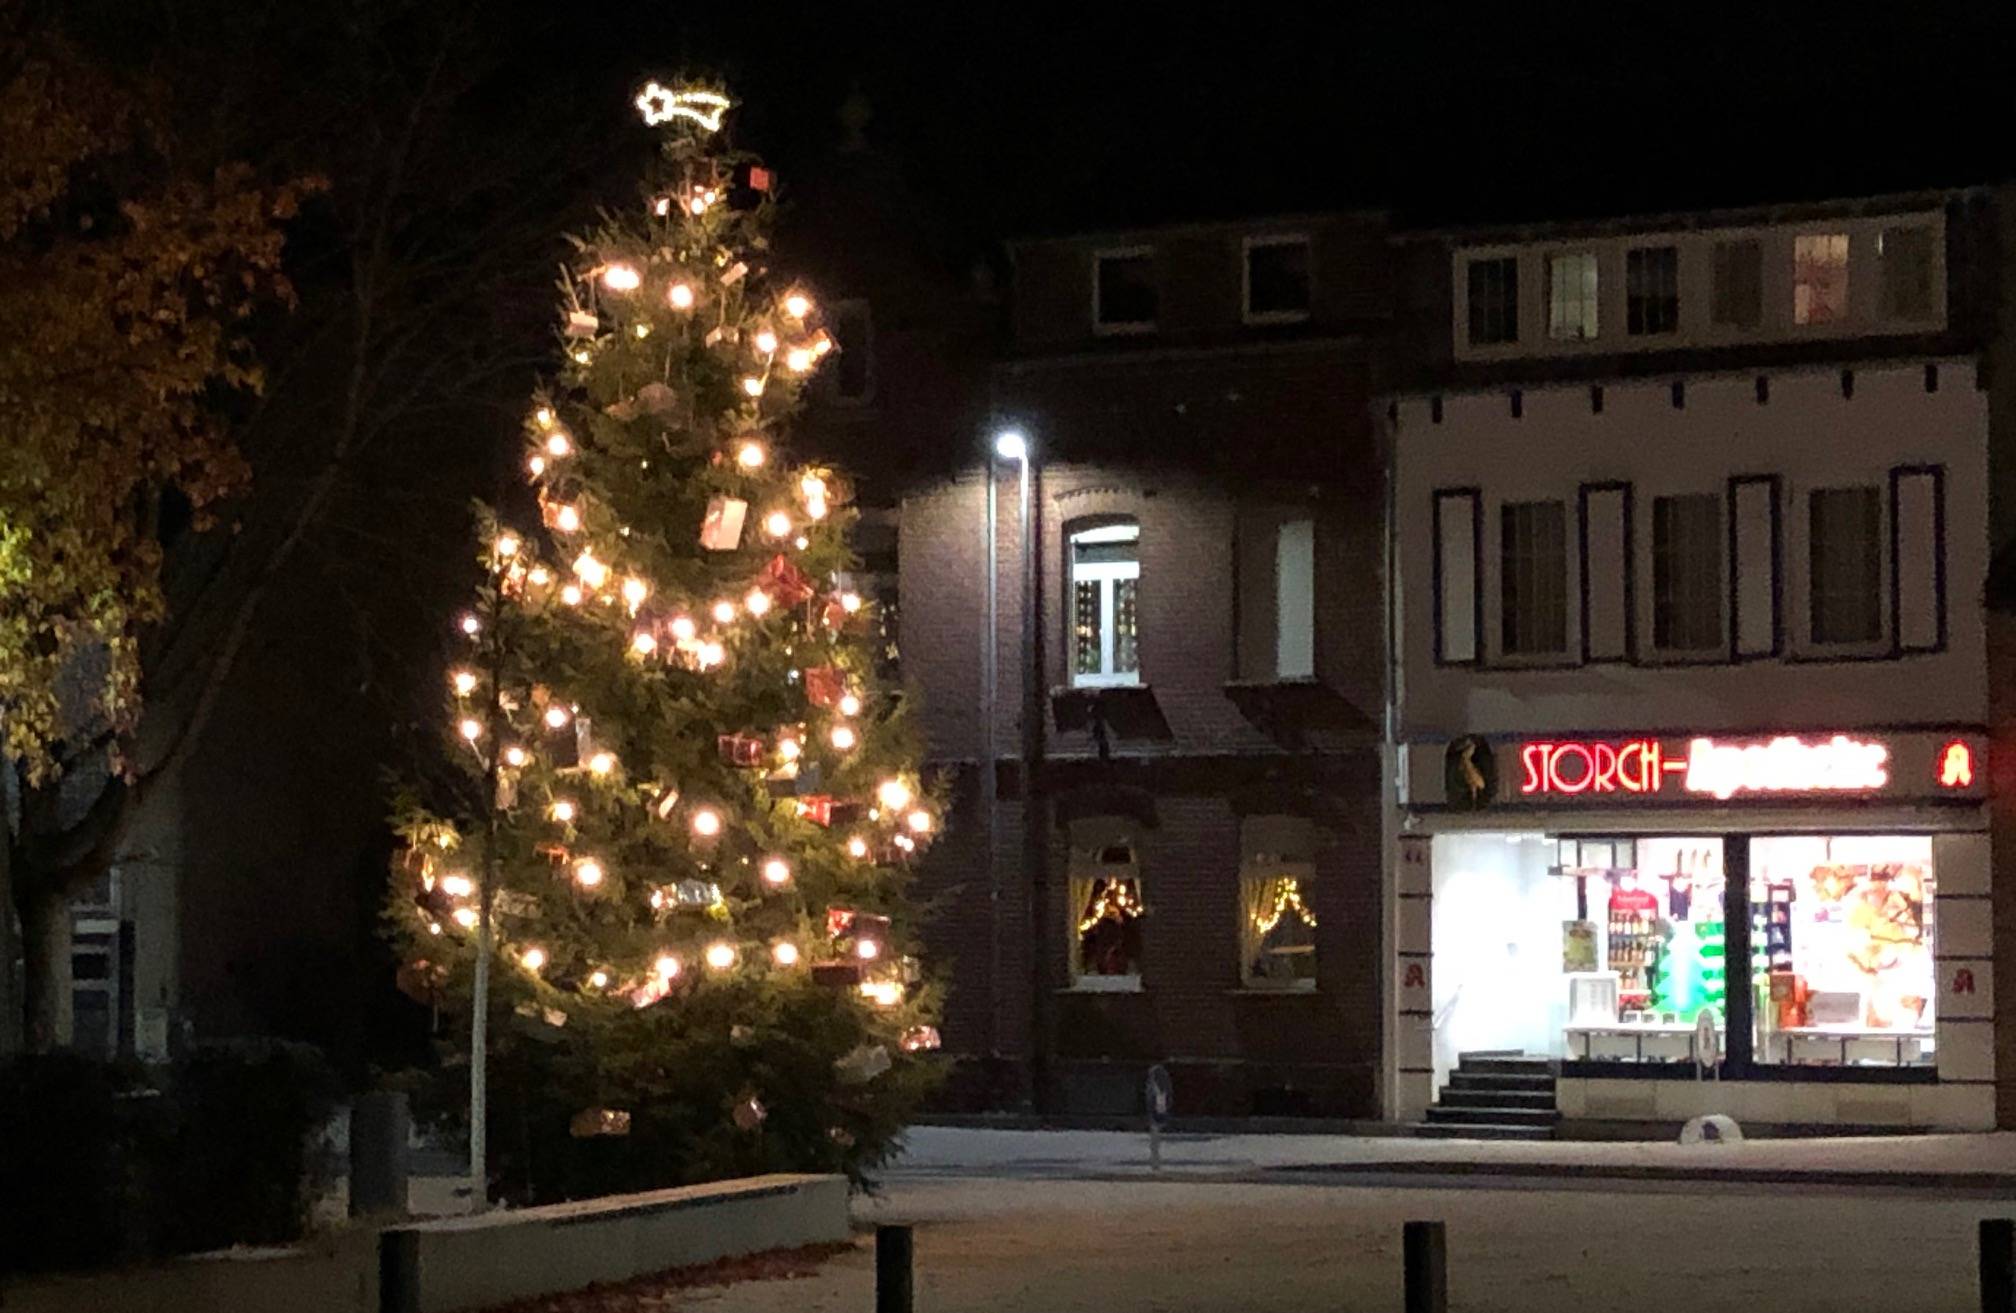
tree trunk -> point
(45, 954)
(10, 951)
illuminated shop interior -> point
(1616, 950)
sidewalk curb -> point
(1861, 1178)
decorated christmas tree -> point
(664, 886)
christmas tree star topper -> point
(661, 104)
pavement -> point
(1975, 1163)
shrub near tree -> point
(673, 848)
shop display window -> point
(1841, 950)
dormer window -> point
(1277, 279)
(1124, 295)
(1819, 278)
(1494, 301)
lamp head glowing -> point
(1009, 444)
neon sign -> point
(1956, 766)
(1784, 764)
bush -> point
(107, 1164)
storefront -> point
(1796, 926)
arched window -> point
(1105, 585)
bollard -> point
(1426, 1260)
(893, 1254)
(1998, 1265)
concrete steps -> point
(1494, 1096)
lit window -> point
(1533, 584)
(1277, 925)
(1124, 298)
(1906, 256)
(1687, 582)
(1820, 278)
(1295, 600)
(1494, 301)
(1738, 301)
(1652, 290)
(1571, 297)
(1844, 530)
(1277, 279)
(1105, 905)
(1105, 625)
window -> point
(1105, 579)
(1533, 580)
(1906, 256)
(1277, 279)
(1738, 301)
(1687, 572)
(1105, 904)
(1124, 298)
(1571, 297)
(851, 377)
(1820, 278)
(1842, 928)
(1295, 600)
(1843, 527)
(1277, 926)
(1652, 290)
(1494, 301)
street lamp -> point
(1008, 444)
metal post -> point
(990, 788)
(1425, 1258)
(486, 904)
(1035, 829)
(380, 1126)
(894, 1290)
(1998, 1265)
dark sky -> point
(1031, 118)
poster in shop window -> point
(1578, 945)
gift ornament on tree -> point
(651, 883)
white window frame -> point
(1595, 303)
(1845, 312)
(1099, 324)
(1260, 242)
(1107, 574)
(1090, 839)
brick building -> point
(1176, 858)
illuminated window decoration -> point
(660, 104)
(1105, 586)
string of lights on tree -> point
(667, 703)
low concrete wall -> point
(337, 1276)
(495, 1258)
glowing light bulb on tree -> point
(757, 602)
(562, 811)
(710, 655)
(720, 956)
(724, 612)
(516, 756)
(849, 705)
(464, 682)
(919, 822)
(784, 953)
(507, 546)
(598, 979)
(857, 847)
(867, 950)
(777, 524)
(539, 576)
(789, 748)
(642, 643)
(680, 295)
(798, 359)
(749, 455)
(533, 958)
(567, 519)
(766, 342)
(558, 444)
(752, 386)
(472, 730)
(667, 967)
(850, 602)
(465, 917)
(571, 594)
(843, 737)
(776, 871)
(543, 417)
(621, 278)
(588, 873)
(635, 590)
(591, 571)
(536, 464)
(457, 886)
(602, 763)
(556, 717)
(471, 625)
(683, 628)
(893, 794)
(706, 822)
(797, 305)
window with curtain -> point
(1105, 587)
(1277, 923)
(1106, 906)
(1571, 296)
(1819, 278)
